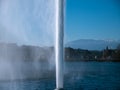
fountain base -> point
(59, 89)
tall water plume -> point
(59, 43)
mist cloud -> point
(27, 21)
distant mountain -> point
(92, 44)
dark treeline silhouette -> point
(31, 53)
(14, 52)
(80, 54)
(92, 55)
(111, 54)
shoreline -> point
(96, 60)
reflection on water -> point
(78, 76)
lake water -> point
(78, 76)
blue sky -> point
(33, 21)
(92, 19)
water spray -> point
(59, 47)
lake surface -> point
(78, 76)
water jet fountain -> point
(26, 24)
(59, 43)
